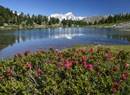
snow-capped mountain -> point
(67, 16)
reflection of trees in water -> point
(120, 37)
(6, 40)
(71, 32)
(9, 38)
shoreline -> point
(7, 28)
(114, 48)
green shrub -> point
(70, 72)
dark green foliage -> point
(115, 19)
(70, 23)
(53, 21)
(1, 21)
(10, 18)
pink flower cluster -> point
(68, 64)
(88, 66)
(84, 59)
(91, 50)
(125, 65)
(19, 53)
(40, 51)
(28, 65)
(114, 90)
(38, 72)
(124, 76)
(9, 72)
(26, 52)
(116, 84)
(110, 56)
(59, 64)
(57, 52)
(80, 51)
(121, 51)
(115, 68)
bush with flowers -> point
(95, 71)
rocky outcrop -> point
(122, 25)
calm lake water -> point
(12, 42)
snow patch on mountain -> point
(67, 16)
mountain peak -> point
(66, 16)
(69, 13)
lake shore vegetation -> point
(83, 69)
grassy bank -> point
(15, 27)
(114, 48)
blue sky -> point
(77, 7)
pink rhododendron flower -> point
(82, 50)
(90, 57)
(91, 50)
(119, 85)
(121, 51)
(115, 68)
(40, 51)
(115, 59)
(26, 52)
(114, 90)
(116, 84)
(124, 77)
(28, 65)
(125, 65)
(39, 70)
(84, 59)
(126, 74)
(84, 64)
(19, 53)
(36, 74)
(63, 59)
(78, 51)
(109, 54)
(67, 64)
(57, 51)
(110, 58)
(59, 64)
(89, 67)
(9, 72)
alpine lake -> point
(14, 41)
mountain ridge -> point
(66, 16)
(71, 16)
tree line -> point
(8, 17)
(118, 18)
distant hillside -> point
(92, 19)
